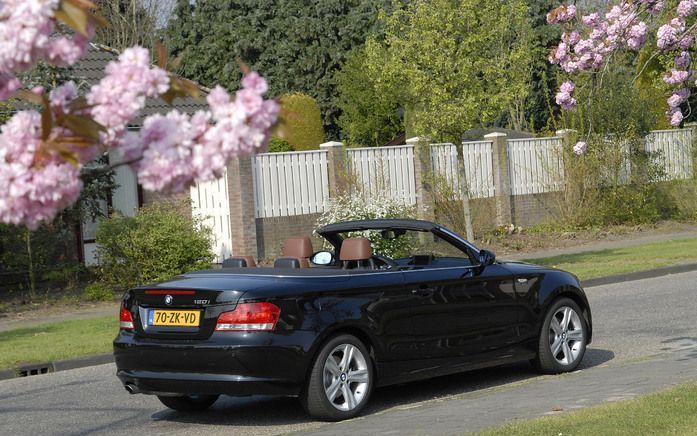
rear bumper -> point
(163, 383)
(237, 364)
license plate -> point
(178, 318)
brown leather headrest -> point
(297, 246)
(356, 249)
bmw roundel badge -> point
(168, 299)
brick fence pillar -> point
(336, 165)
(502, 177)
(423, 181)
(243, 230)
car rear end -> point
(185, 337)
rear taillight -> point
(125, 319)
(249, 317)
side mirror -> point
(486, 257)
(322, 258)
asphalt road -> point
(632, 320)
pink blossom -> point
(676, 77)
(62, 96)
(679, 97)
(686, 8)
(580, 148)
(255, 83)
(561, 14)
(654, 6)
(683, 60)
(64, 51)
(667, 35)
(32, 192)
(676, 117)
(637, 36)
(25, 30)
(685, 42)
(564, 97)
(9, 84)
(591, 20)
(177, 149)
(120, 95)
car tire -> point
(563, 338)
(188, 403)
(340, 381)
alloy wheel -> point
(566, 338)
(346, 377)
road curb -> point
(100, 359)
(59, 365)
(639, 275)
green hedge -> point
(301, 122)
(157, 244)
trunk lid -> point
(186, 308)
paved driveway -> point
(633, 320)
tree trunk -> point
(32, 276)
(464, 192)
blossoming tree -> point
(590, 41)
(42, 152)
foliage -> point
(358, 207)
(661, 32)
(297, 44)
(614, 182)
(279, 145)
(536, 111)
(465, 62)
(155, 245)
(301, 123)
(46, 254)
(618, 107)
(98, 291)
(130, 22)
(369, 117)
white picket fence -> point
(210, 202)
(535, 165)
(297, 183)
(479, 173)
(673, 150)
(294, 183)
(384, 169)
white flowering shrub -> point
(356, 207)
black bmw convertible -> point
(389, 302)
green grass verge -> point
(55, 341)
(669, 412)
(624, 260)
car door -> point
(464, 314)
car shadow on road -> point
(268, 411)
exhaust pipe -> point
(131, 388)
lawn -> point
(669, 412)
(55, 341)
(623, 260)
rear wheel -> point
(189, 403)
(563, 338)
(341, 380)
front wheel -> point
(562, 341)
(341, 380)
(188, 403)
